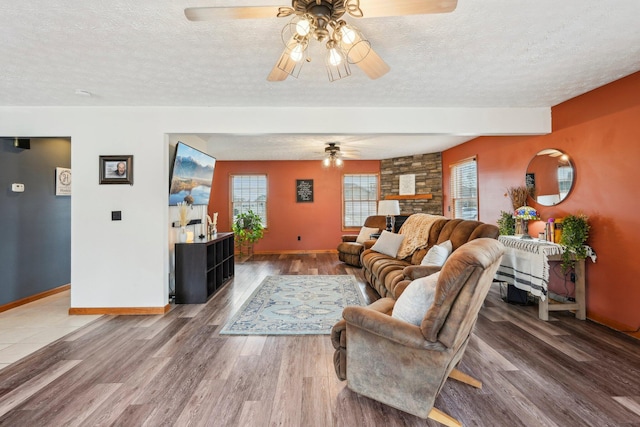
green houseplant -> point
(575, 232)
(507, 224)
(248, 229)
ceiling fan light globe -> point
(338, 161)
(348, 35)
(303, 27)
(334, 58)
(297, 53)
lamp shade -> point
(527, 213)
(388, 207)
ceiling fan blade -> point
(373, 65)
(360, 53)
(378, 8)
(277, 75)
(213, 13)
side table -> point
(525, 265)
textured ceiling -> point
(145, 53)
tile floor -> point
(32, 326)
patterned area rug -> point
(295, 305)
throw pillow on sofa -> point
(416, 300)
(438, 254)
(365, 234)
(388, 243)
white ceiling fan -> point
(322, 20)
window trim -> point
(357, 227)
(231, 196)
(452, 181)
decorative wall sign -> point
(530, 180)
(116, 169)
(63, 182)
(304, 190)
(407, 185)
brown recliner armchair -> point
(404, 365)
(349, 250)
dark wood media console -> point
(203, 268)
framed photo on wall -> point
(63, 182)
(407, 185)
(116, 169)
(304, 191)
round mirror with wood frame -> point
(550, 175)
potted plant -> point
(507, 224)
(575, 232)
(248, 229)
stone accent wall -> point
(428, 171)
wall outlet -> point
(17, 188)
(299, 238)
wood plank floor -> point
(175, 370)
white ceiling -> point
(491, 53)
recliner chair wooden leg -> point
(464, 378)
(442, 418)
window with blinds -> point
(249, 193)
(565, 180)
(360, 195)
(464, 189)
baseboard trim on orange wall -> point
(620, 327)
(35, 297)
(120, 311)
(319, 251)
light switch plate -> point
(17, 188)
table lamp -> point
(390, 208)
(526, 214)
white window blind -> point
(249, 193)
(464, 189)
(565, 179)
(360, 195)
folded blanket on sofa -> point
(416, 233)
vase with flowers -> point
(524, 214)
(518, 196)
(183, 219)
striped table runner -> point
(525, 264)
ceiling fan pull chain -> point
(353, 7)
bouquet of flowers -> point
(527, 213)
(183, 212)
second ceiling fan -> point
(322, 21)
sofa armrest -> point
(382, 305)
(369, 243)
(349, 238)
(388, 327)
(414, 272)
(337, 334)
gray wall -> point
(35, 226)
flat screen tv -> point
(191, 175)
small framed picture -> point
(63, 182)
(116, 170)
(304, 191)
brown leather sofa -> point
(390, 276)
(349, 250)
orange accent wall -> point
(319, 224)
(600, 130)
